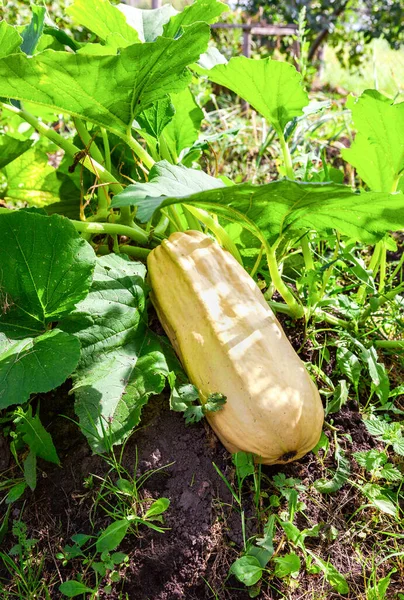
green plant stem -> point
(391, 294)
(279, 307)
(70, 149)
(107, 157)
(136, 234)
(162, 225)
(397, 269)
(88, 141)
(94, 152)
(257, 262)
(287, 159)
(389, 344)
(386, 298)
(331, 319)
(296, 308)
(373, 266)
(135, 251)
(320, 314)
(382, 263)
(192, 221)
(308, 258)
(140, 152)
(328, 272)
(175, 217)
(125, 217)
(217, 229)
(107, 151)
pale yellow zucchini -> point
(230, 342)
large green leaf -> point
(184, 128)
(105, 20)
(11, 148)
(272, 87)
(35, 365)
(167, 21)
(32, 32)
(31, 179)
(35, 435)
(46, 268)
(122, 361)
(10, 39)
(165, 180)
(107, 90)
(148, 23)
(207, 11)
(283, 206)
(378, 150)
(156, 117)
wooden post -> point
(246, 53)
(247, 42)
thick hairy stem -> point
(70, 149)
(217, 229)
(95, 153)
(140, 152)
(134, 233)
(308, 258)
(287, 159)
(134, 251)
(257, 262)
(389, 344)
(296, 308)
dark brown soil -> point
(191, 559)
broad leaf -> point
(30, 470)
(74, 588)
(247, 569)
(107, 90)
(32, 180)
(10, 39)
(332, 575)
(349, 364)
(11, 148)
(46, 269)
(330, 486)
(391, 473)
(32, 32)
(184, 128)
(338, 399)
(35, 365)
(378, 150)
(282, 206)
(105, 20)
(36, 437)
(122, 361)
(207, 11)
(377, 496)
(289, 564)
(165, 179)
(112, 536)
(157, 508)
(148, 23)
(272, 87)
(16, 492)
(156, 117)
